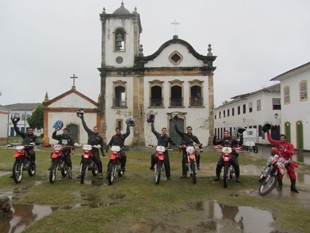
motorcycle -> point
(191, 161)
(228, 167)
(269, 176)
(58, 163)
(114, 166)
(87, 161)
(22, 162)
(159, 162)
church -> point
(174, 79)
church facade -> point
(173, 79)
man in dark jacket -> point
(28, 138)
(187, 139)
(65, 140)
(119, 140)
(94, 139)
(229, 141)
(162, 140)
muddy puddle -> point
(208, 216)
(4, 173)
(23, 216)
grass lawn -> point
(135, 199)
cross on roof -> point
(175, 24)
(73, 77)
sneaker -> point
(216, 178)
(238, 180)
(294, 189)
(100, 176)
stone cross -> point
(175, 24)
(73, 77)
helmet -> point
(240, 130)
(266, 127)
(130, 122)
(58, 125)
(15, 117)
(174, 116)
(150, 118)
(80, 112)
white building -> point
(4, 113)
(64, 107)
(174, 79)
(251, 111)
(296, 105)
(25, 110)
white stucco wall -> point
(3, 123)
(73, 100)
(297, 110)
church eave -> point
(104, 17)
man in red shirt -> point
(286, 150)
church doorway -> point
(73, 131)
(173, 134)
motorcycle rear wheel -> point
(111, 173)
(225, 177)
(17, 171)
(53, 172)
(31, 170)
(267, 185)
(157, 169)
(94, 171)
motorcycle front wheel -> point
(53, 172)
(94, 171)
(31, 170)
(157, 169)
(17, 171)
(111, 173)
(225, 178)
(268, 184)
(83, 172)
(193, 169)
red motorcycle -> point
(159, 162)
(269, 177)
(191, 161)
(58, 162)
(114, 166)
(22, 162)
(87, 162)
(227, 157)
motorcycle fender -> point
(113, 157)
(160, 157)
(17, 155)
(54, 155)
(86, 156)
(226, 159)
(192, 156)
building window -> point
(244, 109)
(196, 94)
(233, 111)
(176, 93)
(119, 123)
(224, 113)
(276, 103)
(156, 93)
(220, 115)
(228, 112)
(303, 90)
(259, 105)
(238, 110)
(175, 58)
(250, 107)
(119, 39)
(287, 98)
(119, 99)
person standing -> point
(162, 140)
(94, 139)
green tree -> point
(36, 120)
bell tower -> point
(120, 38)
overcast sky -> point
(44, 42)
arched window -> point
(287, 97)
(196, 93)
(176, 93)
(303, 90)
(156, 93)
(119, 99)
(119, 39)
